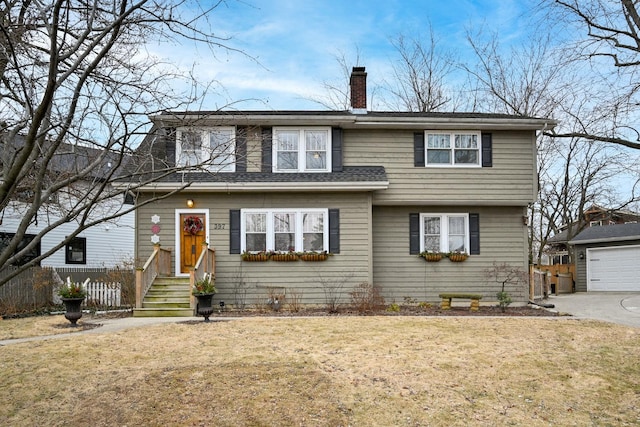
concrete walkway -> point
(109, 325)
(616, 307)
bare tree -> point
(524, 80)
(611, 39)
(337, 93)
(77, 81)
(419, 80)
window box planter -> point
(284, 257)
(458, 257)
(257, 257)
(432, 256)
(314, 256)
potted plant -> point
(458, 256)
(431, 256)
(260, 256)
(72, 295)
(204, 290)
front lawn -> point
(359, 371)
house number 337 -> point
(219, 226)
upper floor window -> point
(211, 148)
(444, 232)
(285, 230)
(452, 148)
(302, 150)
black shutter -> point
(418, 149)
(474, 234)
(241, 149)
(336, 149)
(334, 231)
(234, 231)
(267, 144)
(487, 150)
(414, 233)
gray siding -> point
(346, 269)
(502, 239)
(511, 180)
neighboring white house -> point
(106, 244)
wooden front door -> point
(191, 241)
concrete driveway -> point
(616, 307)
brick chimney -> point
(358, 83)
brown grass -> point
(38, 326)
(359, 371)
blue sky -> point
(296, 41)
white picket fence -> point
(105, 294)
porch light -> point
(190, 203)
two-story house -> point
(374, 189)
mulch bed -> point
(404, 311)
(81, 326)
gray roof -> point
(348, 174)
(608, 233)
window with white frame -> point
(452, 148)
(444, 232)
(285, 230)
(213, 148)
(301, 150)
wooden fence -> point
(26, 291)
(539, 285)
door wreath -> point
(193, 224)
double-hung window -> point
(444, 232)
(301, 150)
(210, 148)
(285, 230)
(452, 148)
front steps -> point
(167, 297)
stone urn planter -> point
(205, 305)
(204, 290)
(73, 307)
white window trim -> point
(270, 229)
(302, 159)
(452, 135)
(444, 230)
(204, 132)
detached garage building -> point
(608, 258)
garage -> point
(613, 268)
(607, 258)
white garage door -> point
(613, 269)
